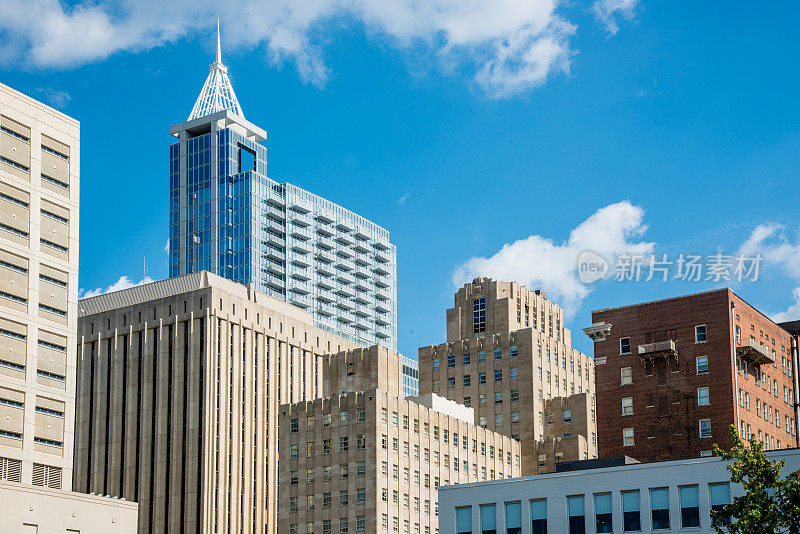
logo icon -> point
(591, 267)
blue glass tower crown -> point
(228, 217)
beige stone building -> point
(27, 509)
(363, 459)
(509, 357)
(39, 186)
(187, 374)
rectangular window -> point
(631, 512)
(478, 315)
(513, 373)
(567, 416)
(489, 519)
(467, 380)
(436, 364)
(705, 428)
(513, 518)
(627, 406)
(465, 359)
(720, 495)
(690, 506)
(702, 365)
(625, 376)
(624, 345)
(514, 395)
(577, 519)
(539, 516)
(451, 360)
(602, 512)
(464, 520)
(700, 334)
(482, 356)
(703, 398)
(627, 437)
(659, 508)
(498, 375)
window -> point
(468, 401)
(293, 426)
(703, 397)
(451, 360)
(602, 512)
(478, 315)
(498, 354)
(293, 452)
(498, 375)
(465, 359)
(631, 515)
(482, 356)
(481, 378)
(567, 416)
(464, 520)
(626, 377)
(513, 351)
(624, 345)
(513, 518)
(436, 364)
(360, 523)
(659, 508)
(488, 519)
(627, 406)
(702, 365)
(513, 373)
(705, 428)
(514, 395)
(451, 382)
(690, 506)
(627, 437)
(577, 520)
(467, 380)
(498, 397)
(247, 159)
(720, 495)
(700, 334)
(539, 516)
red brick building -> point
(672, 376)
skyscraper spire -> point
(217, 93)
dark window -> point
(489, 519)
(631, 515)
(602, 512)
(539, 516)
(690, 507)
(659, 508)
(478, 315)
(577, 519)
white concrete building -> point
(674, 496)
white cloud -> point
(123, 283)
(55, 97)
(166, 247)
(775, 247)
(402, 200)
(609, 12)
(540, 262)
(792, 313)
(510, 46)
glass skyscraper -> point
(229, 218)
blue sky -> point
(455, 138)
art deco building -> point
(179, 382)
(674, 374)
(228, 217)
(509, 357)
(39, 187)
(364, 459)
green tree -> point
(770, 504)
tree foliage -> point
(770, 503)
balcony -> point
(346, 316)
(304, 247)
(363, 284)
(275, 239)
(275, 254)
(301, 233)
(362, 323)
(274, 281)
(326, 308)
(325, 283)
(275, 268)
(300, 205)
(361, 232)
(346, 291)
(344, 239)
(327, 232)
(362, 246)
(301, 219)
(345, 264)
(381, 256)
(324, 216)
(300, 273)
(300, 300)
(362, 271)
(363, 310)
(300, 287)
(345, 277)
(382, 306)
(381, 280)
(598, 331)
(382, 268)
(301, 260)
(274, 212)
(326, 296)
(345, 226)
(659, 349)
(344, 304)
(383, 332)
(383, 293)
(276, 227)
(325, 242)
(364, 298)
(755, 353)
(324, 256)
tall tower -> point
(228, 217)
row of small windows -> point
(628, 439)
(629, 504)
(700, 336)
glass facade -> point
(227, 217)
(410, 377)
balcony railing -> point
(755, 353)
(659, 349)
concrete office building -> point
(178, 387)
(39, 187)
(228, 217)
(674, 374)
(508, 356)
(673, 496)
(364, 459)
